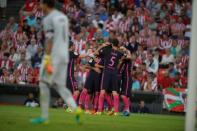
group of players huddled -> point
(108, 79)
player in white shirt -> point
(54, 64)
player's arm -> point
(99, 66)
(127, 52)
(120, 62)
(49, 33)
(97, 52)
(82, 55)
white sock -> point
(67, 97)
(44, 100)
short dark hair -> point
(115, 42)
(71, 44)
(49, 3)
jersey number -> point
(112, 61)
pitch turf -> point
(16, 118)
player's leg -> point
(95, 102)
(44, 104)
(88, 98)
(45, 79)
(104, 85)
(84, 96)
(66, 96)
(101, 101)
(73, 87)
(116, 101)
(75, 91)
(87, 103)
(115, 90)
(59, 80)
(108, 98)
(97, 82)
(125, 94)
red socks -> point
(87, 100)
(75, 97)
(126, 103)
(101, 101)
(95, 103)
(82, 97)
(116, 102)
(109, 101)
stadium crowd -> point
(157, 33)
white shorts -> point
(3, 3)
(57, 77)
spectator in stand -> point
(141, 108)
(167, 58)
(135, 84)
(172, 70)
(5, 62)
(151, 83)
(6, 36)
(176, 48)
(15, 77)
(28, 7)
(20, 39)
(165, 42)
(24, 70)
(13, 24)
(31, 20)
(152, 64)
(14, 56)
(38, 25)
(165, 81)
(31, 49)
(36, 59)
(31, 101)
(26, 27)
(4, 78)
(58, 103)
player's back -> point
(112, 59)
(57, 24)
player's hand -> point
(47, 64)
(97, 70)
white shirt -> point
(167, 59)
(153, 67)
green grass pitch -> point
(16, 118)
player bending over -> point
(53, 71)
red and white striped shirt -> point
(181, 42)
(19, 37)
(6, 63)
(79, 45)
(24, 71)
(165, 44)
(123, 26)
(109, 25)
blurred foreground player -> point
(53, 71)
